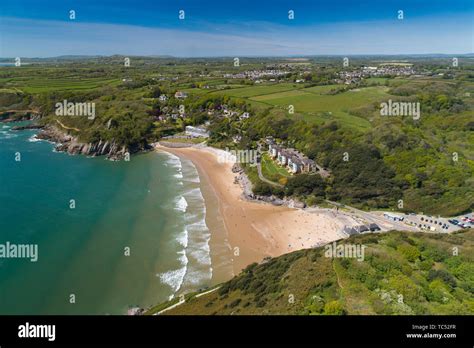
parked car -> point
(374, 227)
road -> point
(264, 179)
(413, 222)
(377, 218)
(259, 169)
(183, 301)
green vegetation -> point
(258, 90)
(402, 273)
(272, 171)
(375, 161)
(315, 104)
(388, 158)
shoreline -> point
(253, 229)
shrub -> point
(445, 276)
(411, 253)
(334, 308)
(235, 303)
(262, 189)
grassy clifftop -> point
(401, 273)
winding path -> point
(66, 127)
(264, 179)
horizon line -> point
(166, 56)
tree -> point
(156, 92)
(305, 184)
(411, 253)
(334, 308)
(262, 189)
(445, 276)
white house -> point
(181, 95)
(197, 131)
(273, 149)
(283, 157)
(236, 138)
(294, 164)
(245, 115)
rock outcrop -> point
(30, 126)
(70, 144)
(19, 115)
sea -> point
(110, 235)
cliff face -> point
(70, 144)
(19, 115)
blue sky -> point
(235, 27)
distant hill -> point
(164, 56)
(402, 273)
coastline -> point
(252, 230)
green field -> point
(252, 91)
(39, 85)
(271, 170)
(321, 89)
(313, 102)
(319, 107)
(376, 80)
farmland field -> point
(317, 107)
(310, 102)
(321, 89)
(313, 104)
(39, 85)
(247, 92)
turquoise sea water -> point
(152, 205)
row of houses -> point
(294, 160)
(354, 76)
(224, 111)
(257, 74)
(173, 112)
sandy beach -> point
(254, 230)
